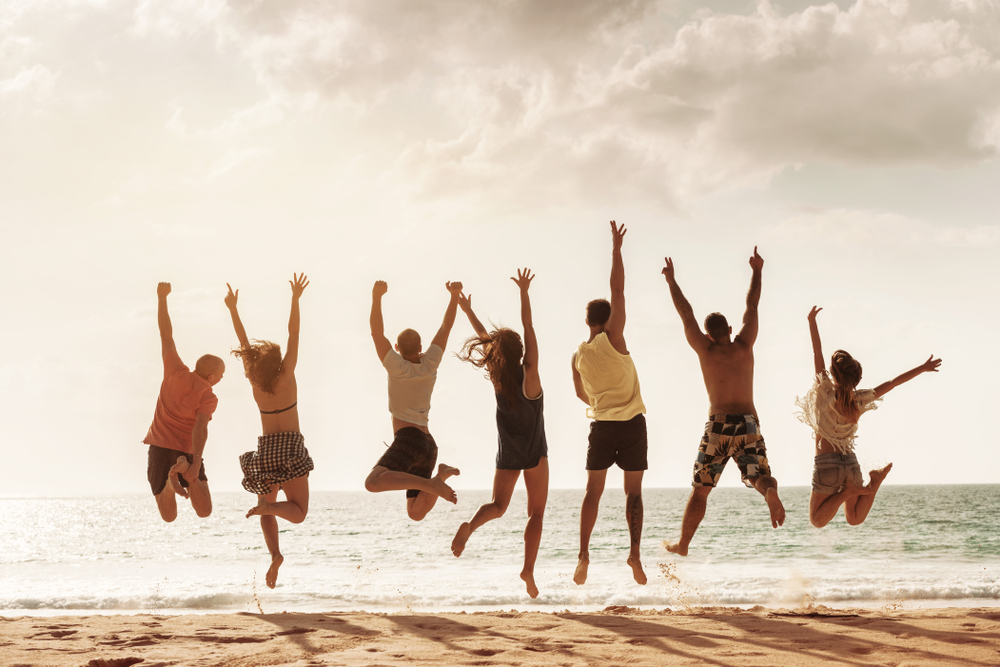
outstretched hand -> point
(756, 262)
(668, 270)
(299, 284)
(454, 287)
(232, 297)
(162, 289)
(465, 302)
(931, 365)
(379, 288)
(617, 234)
(524, 278)
(813, 313)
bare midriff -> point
(399, 423)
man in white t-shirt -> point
(408, 463)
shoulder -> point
(434, 353)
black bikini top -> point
(274, 412)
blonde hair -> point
(261, 363)
(499, 352)
(846, 372)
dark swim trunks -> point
(412, 451)
(623, 443)
(730, 436)
(160, 460)
(280, 457)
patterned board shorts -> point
(280, 457)
(412, 451)
(730, 436)
(831, 472)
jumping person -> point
(832, 408)
(409, 462)
(733, 428)
(179, 431)
(605, 379)
(513, 370)
(281, 461)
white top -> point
(410, 384)
(819, 411)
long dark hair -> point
(499, 352)
(846, 373)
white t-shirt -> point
(819, 412)
(410, 384)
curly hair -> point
(499, 352)
(846, 373)
(261, 363)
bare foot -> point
(271, 578)
(174, 476)
(529, 579)
(580, 576)
(445, 471)
(676, 548)
(877, 477)
(637, 573)
(775, 506)
(440, 488)
(263, 508)
(461, 537)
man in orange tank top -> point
(179, 431)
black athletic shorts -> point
(412, 451)
(622, 443)
(160, 461)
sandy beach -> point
(710, 635)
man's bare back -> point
(728, 372)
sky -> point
(202, 142)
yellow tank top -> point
(610, 380)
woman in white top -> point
(832, 408)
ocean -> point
(921, 545)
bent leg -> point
(767, 486)
(382, 479)
(633, 516)
(823, 507)
(166, 500)
(417, 508)
(503, 488)
(201, 498)
(857, 511)
(588, 518)
(295, 506)
(536, 482)
(694, 512)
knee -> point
(854, 521)
(168, 517)
(203, 512)
(536, 514)
(305, 511)
(817, 523)
(370, 483)
(416, 514)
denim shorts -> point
(831, 472)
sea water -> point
(359, 551)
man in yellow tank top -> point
(733, 428)
(606, 381)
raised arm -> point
(819, 363)
(167, 347)
(532, 383)
(748, 332)
(465, 303)
(241, 333)
(929, 366)
(695, 337)
(441, 337)
(615, 327)
(299, 283)
(382, 344)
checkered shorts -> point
(730, 436)
(279, 457)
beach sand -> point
(718, 636)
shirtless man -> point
(605, 379)
(733, 429)
(179, 431)
(408, 463)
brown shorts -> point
(622, 443)
(412, 451)
(160, 461)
